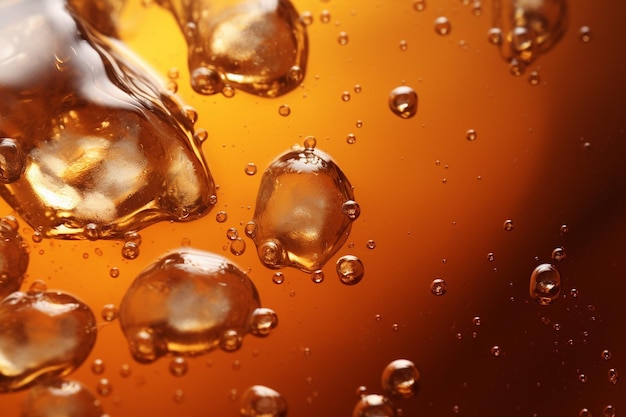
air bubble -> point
(130, 250)
(403, 102)
(471, 135)
(351, 209)
(114, 272)
(345, 96)
(509, 225)
(238, 247)
(373, 405)
(12, 161)
(606, 354)
(14, 256)
(104, 387)
(442, 26)
(262, 401)
(278, 278)
(613, 376)
(178, 366)
(250, 169)
(325, 16)
(419, 5)
(494, 36)
(350, 269)
(404, 45)
(370, 244)
(400, 378)
(495, 350)
(262, 321)
(61, 398)
(284, 110)
(534, 78)
(44, 335)
(609, 411)
(351, 139)
(558, 254)
(545, 284)
(343, 38)
(306, 18)
(438, 287)
(584, 33)
(186, 303)
(97, 366)
(221, 216)
(109, 312)
(317, 276)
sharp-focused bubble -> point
(373, 405)
(13, 256)
(400, 378)
(261, 401)
(56, 398)
(103, 128)
(527, 29)
(403, 101)
(350, 269)
(304, 211)
(42, 335)
(545, 284)
(186, 303)
(251, 45)
(438, 287)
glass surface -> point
(461, 205)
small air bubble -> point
(278, 278)
(284, 110)
(558, 254)
(317, 276)
(345, 96)
(438, 287)
(584, 33)
(351, 139)
(250, 168)
(97, 366)
(178, 366)
(496, 351)
(104, 387)
(109, 312)
(442, 25)
(534, 78)
(494, 36)
(238, 247)
(114, 272)
(404, 45)
(508, 225)
(306, 17)
(221, 216)
(343, 38)
(419, 5)
(370, 244)
(471, 135)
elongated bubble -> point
(42, 335)
(104, 143)
(304, 211)
(189, 302)
(257, 46)
(529, 28)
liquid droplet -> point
(613, 376)
(238, 247)
(404, 45)
(350, 269)
(438, 287)
(259, 400)
(114, 272)
(400, 379)
(61, 398)
(187, 302)
(351, 139)
(373, 405)
(44, 335)
(534, 78)
(606, 354)
(403, 102)
(299, 211)
(442, 26)
(609, 411)
(345, 96)
(249, 45)
(545, 284)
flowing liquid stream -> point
(416, 206)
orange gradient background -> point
(544, 156)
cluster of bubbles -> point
(399, 380)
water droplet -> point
(259, 400)
(545, 284)
(403, 101)
(400, 378)
(238, 247)
(373, 405)
(187, 302)
(438, 287)
(299, 210)
(584, 33)
(250, 169)
(471, 135)
(104, 387)
(343, 38)
(371, 244)
(278, 278)
(14, 256)
(345, 96)
(178, 366)
(44, 335)
(109, 312)
(508, 225)
(442, 26)
(284, 110)
(350, 269)
(262, 321)
(114, 272)
(61, 398)
(419, 5)
(496, 351)
(558, 253)
(317, 276)
(351, 139)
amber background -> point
(534, 167)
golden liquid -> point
(548, 150)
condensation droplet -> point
(350, 269)
(442, 26)
(545, 284)
(438, 287)
(403, 101)
(284, 110)
(400, 379)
